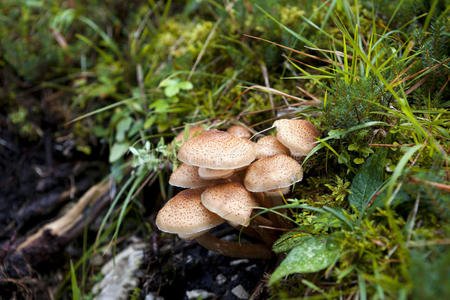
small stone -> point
(240, 292)
(249, 268)
(239, 261)
(230, 238)
(234, 277)
(221, 279)
(189, 259)
(196, 294)
(152, 296)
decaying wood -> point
(53, 237)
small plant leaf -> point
(367, 181)
(122, 128)
(289, 240)
(171, 90)
(185, 85)
(117, 151)
(314, 254)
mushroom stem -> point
(234, 249)
(277, 200)
(266, 202)
(266, 235)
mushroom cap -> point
(208, 174)
(274, 172)
(239, 131)
(193, 131)
(186, 176)
(276, 192)
(298, 135)
(269, 146)
(216, 149)
(231, 201)
(191, 236)
(184, 214)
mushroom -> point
(298, 135)
(187, 176)
(235, 204)
(186, 216)
(216, 149)
(193, 131)
(269, 146)
(208, 174)
(239, 131)
(271, 173)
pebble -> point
(152, 296)
(120, 274)
(249, 268)
(239, 261)
(240, 292)
(221, 279)
(199, 294)
(234, 277)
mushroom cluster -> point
(226, 175)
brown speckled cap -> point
(209, 174)
(239, 131)
(184, 214)
(231, 201)
(186, 176)
(274, 172)
(193, 131)
(298, 135)
(269, 146)
(216, 149)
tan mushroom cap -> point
(298, 135)
(276, 192)
(187, 176)
(269, 146)
(231, 201)
(274, 172)
(191, 236)
(216, 149)
(184, 214)
(193, 131)
(239, 131)
(209, 174)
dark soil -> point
(180, 266)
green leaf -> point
(171, 90)
(367, 181)
(314, 254)
(117, 151)
(122, 128)
(169, 82)
(185, 85)
(76, 293)
(289, 240)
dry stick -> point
(200, 55)
(291, 49)
(423, 70)
(440, 186)
(267, 109)
(445, 84)
(390, 145)
(417, 85)
(234, 249)
(270, 90)
(401, 73)
(309, 94)
(66, 222)
(266, 82)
